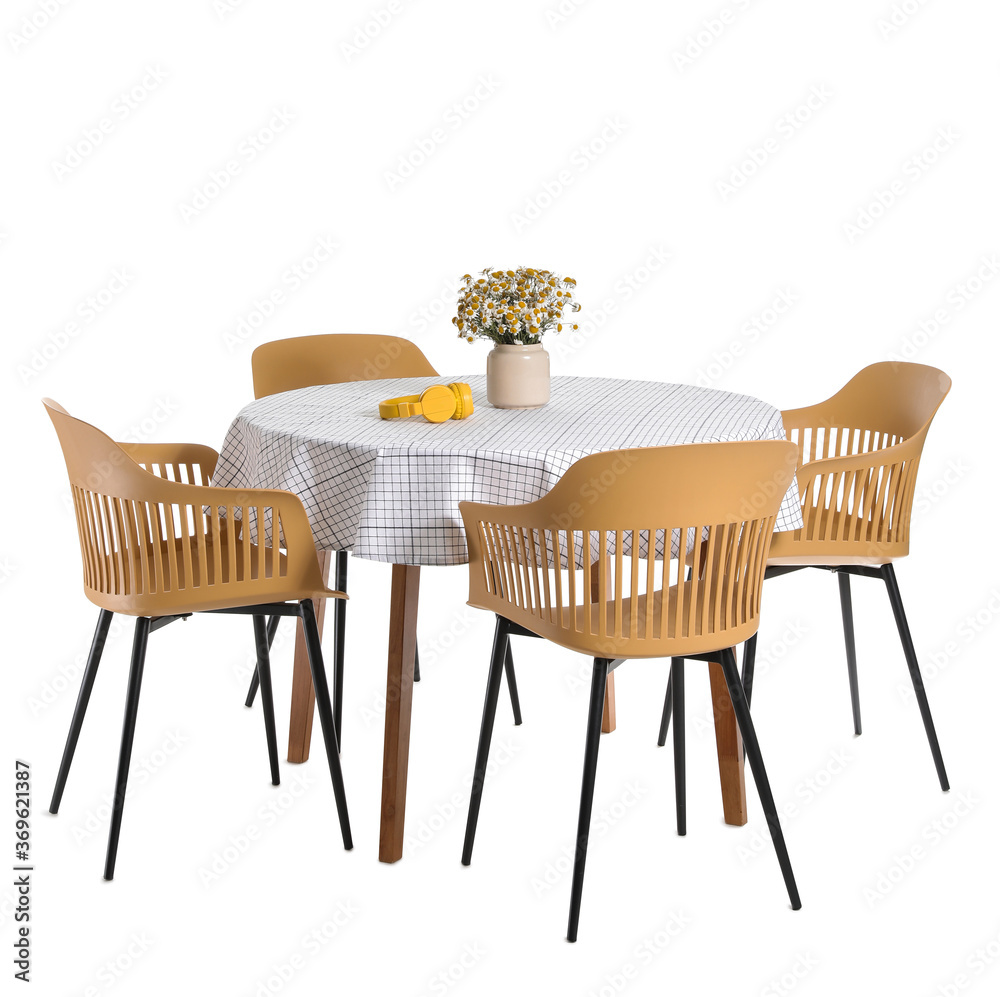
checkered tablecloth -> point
(388, 490)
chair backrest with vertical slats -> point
(152, 546)
(300, 362)
(189, 463)
(599, 563)
(859, 454)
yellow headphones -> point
(436, 403)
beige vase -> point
(517, 376)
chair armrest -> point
(848, 463)
(226, 512)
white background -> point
(633, 144)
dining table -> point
(389, 490)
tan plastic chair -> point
(858, 453)
(161, 549)
(301, 362)
(304, 361)
(712, 506)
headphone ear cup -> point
(438, 403)
(463, 399)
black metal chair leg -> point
(749, 660)
(847, 611)
(597, 689)
(323, 704)
(889, 576)
(272, 629)
(416, 665)
(128, 734)
(497, 658)
(340, 633)
(680, 768)
(667, 700)
(266, 695)
(515, 702)
(86, 687)
(667, 710)
(752, 748)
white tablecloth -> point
(388, 490)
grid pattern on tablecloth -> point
(389, 489)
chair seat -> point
(828, 560)
(787, 548)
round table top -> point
(389, 489)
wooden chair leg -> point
(398, 707)
(729, 747)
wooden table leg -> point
(300, 720)
(730, 749)
(398, 700)
(608, 720)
